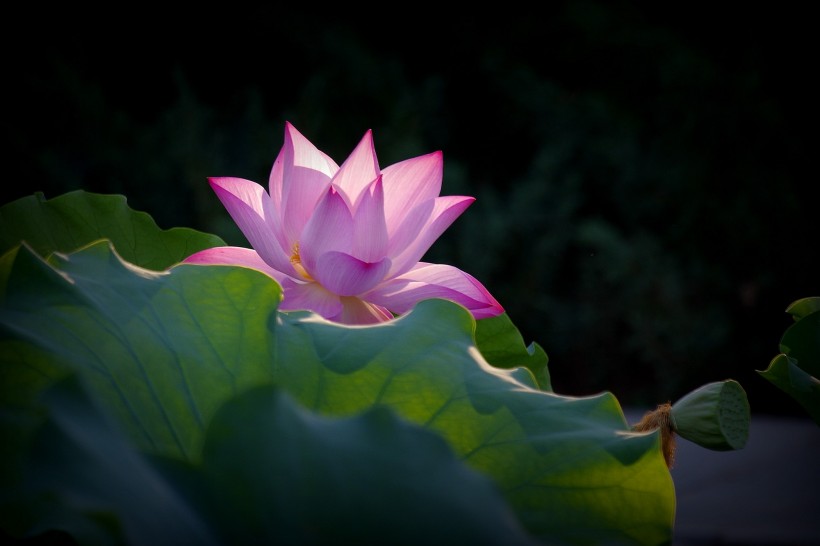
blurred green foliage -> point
(640, 173)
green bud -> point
(715, 416)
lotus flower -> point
(345, 242)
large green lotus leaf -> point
(272, 472)
(165, 350)
(372, 478)
(87, 479)
(502, 345)
(75, 219)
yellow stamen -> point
(296, 260)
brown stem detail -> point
(660, 418)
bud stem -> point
(660, 419)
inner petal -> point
(369, 228)
(329, 228)
(359, 169)
(345, 275)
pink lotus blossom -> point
(345, 242)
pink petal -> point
(305, 174)
(296, 151)
(422, 227)
(427, 281)
(329, 228)
(359, 169)
(348, 276)
(356, 311)
(409, 183)
(276, 180)
(309, 296)
(299, 152)
(250, 207)
(369, 228)
(234, 255)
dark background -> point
(644, 175)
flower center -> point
(296, 260)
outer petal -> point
(330, 228)
(359, 169)
(310, 296)
(234, 255)
(427, 281)
(348, 276)
(408, 183)
(417, 233)
(250, 207)
(356, 311)
(305, 175)
(276, 181)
